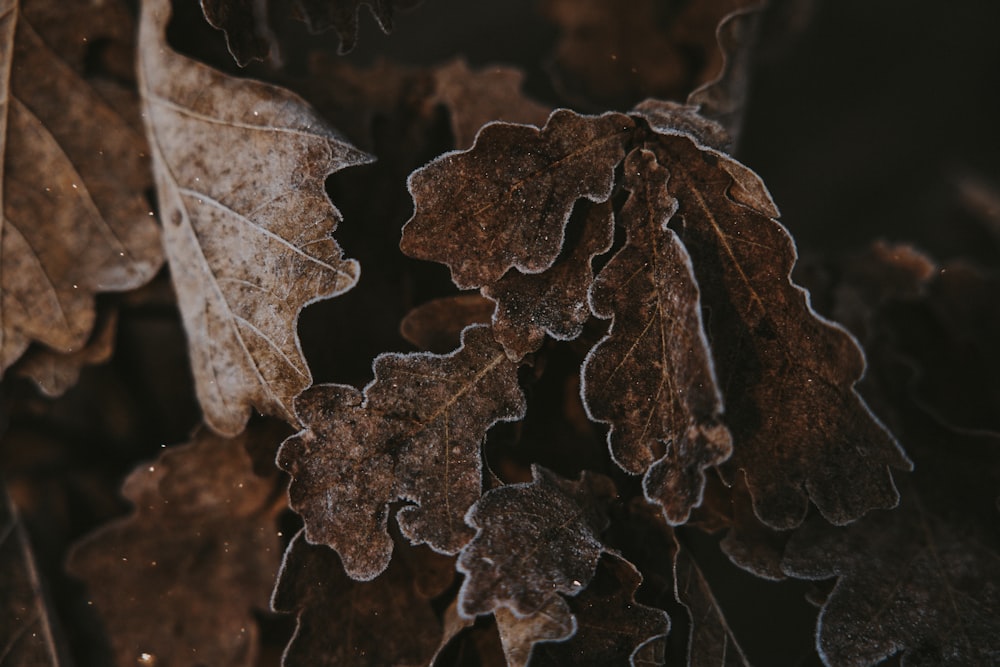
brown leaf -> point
(177, 579)
(27, 636)
(554, 301)
(532, 541)
(615, 58)
(415, 434)
(244, 23)
(436, 326)
(553, 622)
(651, 377)
(474, 98)
(611, 625)
(240, 169)
(505, 202)
(799, 428)
(388, 621)
(75, 217)
(342, 16)
(53, 373)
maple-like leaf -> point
(651, 377)
(552, 302)
(177, 579)
(27, 636)
(415, 434)
(800, 430)
(505, 202)
(388, 621)
(240, 169)
(75, 220)
(533, 540)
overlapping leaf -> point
(414, 434)
(651, 377)
(240, 169)
(505, 202)
(75, 219)
(389, 621)
(533, 541)
(178, 578)
(519, 635)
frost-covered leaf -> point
(415, 434)
(505, 202)
(532, 541)
(436, 326)
(240, 169)
(651, 377)
(553, 622)
(800, 431)
(27, 636)
(75, 218)
(177, 579)
(388, 621)
(244, 23)
(611, 625)
(554, 301)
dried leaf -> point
(27, 636)
(75, 217)
(651, 377)
(177, 579)
(53, 373)
(474, 98)
(505, 202)
(799, 428)
(240, 169)
(389, 621)
(415, 434)
(342, 16)
(553, 622)
(554, 301)
(436, 326)
(244, 23)
(611, 624)
(532, 541)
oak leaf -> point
(415, 434)
(532, 541)
(240, 169)
(342, 16)
(244, 24)
(651, 378)
(388, 621)
(519, 635)
(74, 214)
(437, 325)
(177, 578)
(505, 202)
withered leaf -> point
(243, 23)
(27, 635)
(388, 621)
(240, 169)
(554, 301)
(415, 434)
(533, 540)
(651, 377)
(177, 579)
(74, 214)
(342, 16)
(611, 624)
(476, 97)
(799, 428)
(505, 202)
(436, 326)
(518, 635)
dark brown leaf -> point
(800, 431)
(240, 169)
(177, 579)
(532, 541)
(27, 637)
(415, 434)
(436, 326)
(342, 16)
(505, 202)
(553, 302)
(474, 98)
(243, 21)
(388, 621)
(611, 624)
(553, 622)
(651, 377)
(74, 212)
